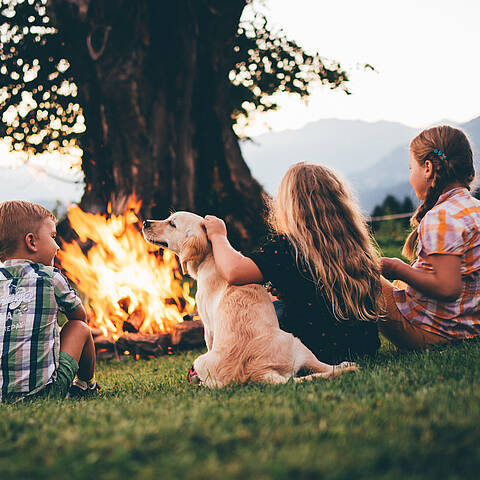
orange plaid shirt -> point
(451, 227)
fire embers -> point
(130, 285)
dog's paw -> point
(193, 378)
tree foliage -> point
(38, 95)
(267, 62)
(392, 228)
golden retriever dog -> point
(242, 334)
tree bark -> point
(152, 79)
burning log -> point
(103, 342)
(95, 332)
(124, 303)
(105, 347)
(144, 345)
(134, 321)
(189, 334)
(134, 291)
(185, 335)
(130, 286)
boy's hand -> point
(214, 226)
(390, 267)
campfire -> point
(136, 297)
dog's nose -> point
(146, 224)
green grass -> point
(391, 237)
(412, 415)
(404, 415)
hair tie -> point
(438, 152)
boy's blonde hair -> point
(453, 164)
(17, 218)
(317, 212)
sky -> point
(425, 53)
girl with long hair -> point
(436, 300)
(320, 259)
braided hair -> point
(450, 153)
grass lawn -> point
(412, 415)
(404, 415)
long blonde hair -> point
(319, 215)
(454, 164)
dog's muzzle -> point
(193, 378)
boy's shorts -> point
(66, 371)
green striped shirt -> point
(31, 295)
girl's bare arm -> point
(443, 283)
(231, 264)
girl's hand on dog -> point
(390, 267)
(273, 292)
(214, 226)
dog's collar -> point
(193, 378)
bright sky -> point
(424, 51)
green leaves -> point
(266, 62)
(37, 93)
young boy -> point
(35, 358)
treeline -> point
(392, 206)
(393, 228)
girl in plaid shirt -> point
(436, 299)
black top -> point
(308, 314)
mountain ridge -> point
(380, 155)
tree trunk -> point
(152, 79)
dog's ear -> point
(193, 250)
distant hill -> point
(346, 145)
(473, 130)
(373, 156)
(390, 175)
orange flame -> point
(126, 283)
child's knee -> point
(77, 329)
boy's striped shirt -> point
(451, 227)
(30, 297)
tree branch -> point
(96, 54)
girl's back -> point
(308, 312)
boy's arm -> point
(77, 314)
(67, 299)
(443, 283)
(231, 264)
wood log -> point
(134, 321)
(105, 348)
(188, 334)
(144, 345)
(104, 343)
(106, 355)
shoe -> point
(80, 389)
